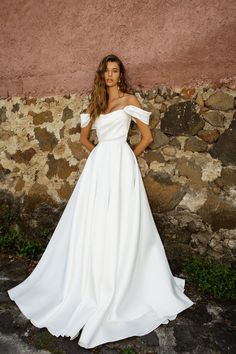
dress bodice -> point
(115, 125)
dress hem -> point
(163, 320)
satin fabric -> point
(104, 269)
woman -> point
(104, 272)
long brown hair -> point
(99, 96)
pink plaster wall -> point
(54, 47)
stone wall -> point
(189, 170)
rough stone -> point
(154, 118)
(65, 191)
(220, 100)
(50, 100)
(218, 212)
(12, 343)
(188, 93)
(73, 130)
(163, 194)
(3, 115)
(23, 156)
(169, 151)
(199, 100)
(5, 134)
(20, 183)
(28, 101)
(67, 114)
(47, 141)
(76, 149)
(209, 136)
(196, 145)
(159, 99)
(211, 170)
(151, 156)
(227, 178)
(15, 107)
(189, 169)
(175, 142)
(181, 119)
(3, 172)
(60, 167)
(193, 200)
(143, 166)
(42, 117)
(159, 139)
(214, 118)
(224, 149)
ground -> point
(208, 327)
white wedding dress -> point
(105, 267)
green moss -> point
(128, 351)
(45, 340)
(212, 277)
(15, 242)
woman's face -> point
(112, 73)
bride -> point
(104, 275)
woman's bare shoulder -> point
(132, 100)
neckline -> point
(117, 110)
(120, 109)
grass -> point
(15, 242)
(212, 277)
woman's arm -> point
(84, 137)
(146, 140)
(144, 129)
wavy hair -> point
(99, 96)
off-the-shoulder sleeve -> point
(136, 112)
(85, 119)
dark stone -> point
(218, 213)
(151, 339)
(195, 144)
(187, 337)
(59, 167)
(163, 194)
(214, 118)
(199, 314)
(50, 100)
(39, 211)
(181, 119)
(175, 142)
(23, 156)
(154, 118)
(229, 314)
(77, 150)
(42, 117)
(227, 178)
(6, 321)
(15, 108)
(61, 132)
(3, 116)
(159, 139)
(189, 169)
(47, 141)
(210, 136)
(225, 148)
(29, 101)
(224, 338)
(3, 172)
(65, 191)
(75, 130)
(220, 100)
(67, 114)
(151, 156)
